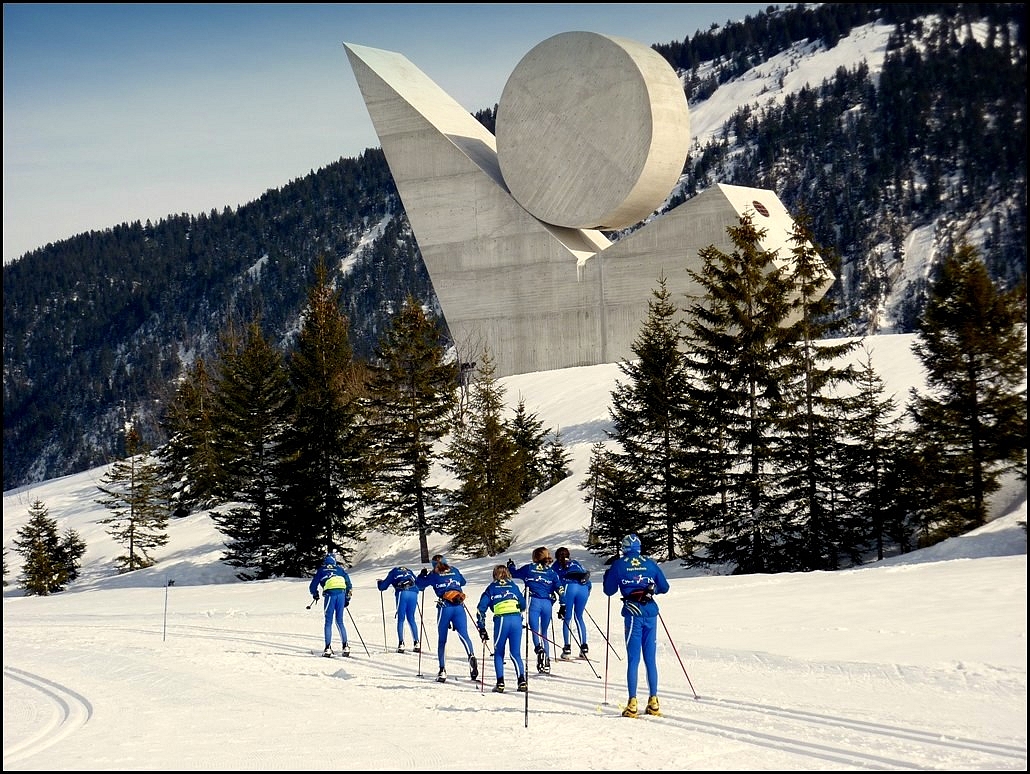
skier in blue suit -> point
(543, 586)
(337, 590)
(447, 581)
(637, 579)
(406, 596)
(505, 600)
(575, 591)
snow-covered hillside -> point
(916, 662)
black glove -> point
(350, 593)
(315, 596)
(561, 612)
(483, 635)
(423, 573)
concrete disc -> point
(592, 131)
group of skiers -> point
(636, 578)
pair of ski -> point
(443, 679)
(323, 654)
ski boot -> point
(539, 658)
(473, 668)
(345, 650)
(328, 652)
(499, 688)
(400, 647)
(631, 708)
(523, 685)
(652, 707)
(415, 647)
(441, 676)
(583, 650)
(566, 652)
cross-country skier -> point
(337, 590)
(505, 600)
(447, 581)
(637, 579)
(543, 586)
(406, 596)
(575, 591)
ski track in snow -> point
(70, 712)
(821, 739)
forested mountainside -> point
(894, 164)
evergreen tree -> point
(70, 552)
(530, 438)
(613, 500)
(482, 457)
(409, 402)
(972, 420)
(325, 441)
(556, 461)
(651, 415)
(739, 350)
(134, 493)
(48, 563)
(253, 410)
(812, 409)
(189, 460)
(874, 462)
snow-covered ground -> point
(916, 662)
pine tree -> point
(556, 460)
(812, 409)
(481, 455)
(873, 464)
(134, 493)
(43, 570)
(325, 441)
(409, 402)
(972, 419)
(252, 412)
(651, 415)
(613, 501)
(530, 438)
(739, 350)
(189, 460)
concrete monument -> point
(592, 135)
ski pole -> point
(476, 624)
(422, 631)
(677, 654)
(423, 645)
(603, 636)
(575, 639)
(358, 633)
(545, 638)
(382, 606)
(526, 677)
(482, 671)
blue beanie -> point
(329, 561)
(630, 545)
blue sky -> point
(122, 112)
